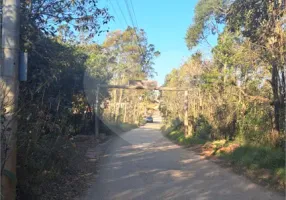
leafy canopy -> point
(208, 14)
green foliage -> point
(257, 157)
(179, 137)
(65, 18)
(260, 162)
(203, 128)
(193, 36)
(244, 14)
(122, 127)
(207, 12)
(174, 131)
(254, 124)
(127, 127)
(132, 56)
(281, 174)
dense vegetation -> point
(239, 94)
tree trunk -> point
(134, 112)
(283, 101)
(118, 107)
(125, 112)
(276, 99)
(186, 120)
(114, 106)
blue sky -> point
(165, 22)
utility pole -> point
(9, 87)
(186, 120)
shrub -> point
(179, 136)
(202, 128)
(257, 157)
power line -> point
(131, 2)
(129, 12)
(114, 10)
(134, 28)
(121, 12)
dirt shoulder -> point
(76, 179)
(263, 177)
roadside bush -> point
(255, 125)
(202, 128)
(141, 121)
(179, 137)
(257, 157)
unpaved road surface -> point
(142, 164)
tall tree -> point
(263, 22)
(209, 14)
(131, 58)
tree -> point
(74, 16)
(209, 14)
(131, 58)
(262, 22)
(131, 53)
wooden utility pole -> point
(114, 104)
(186, 121)
(125, 112)
(9, 87)
(118, 108)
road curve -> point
(142, 164)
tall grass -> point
(258, 157)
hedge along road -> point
(142, 164)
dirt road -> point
(142, 164)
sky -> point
(165, 23)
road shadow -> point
(163, 170)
